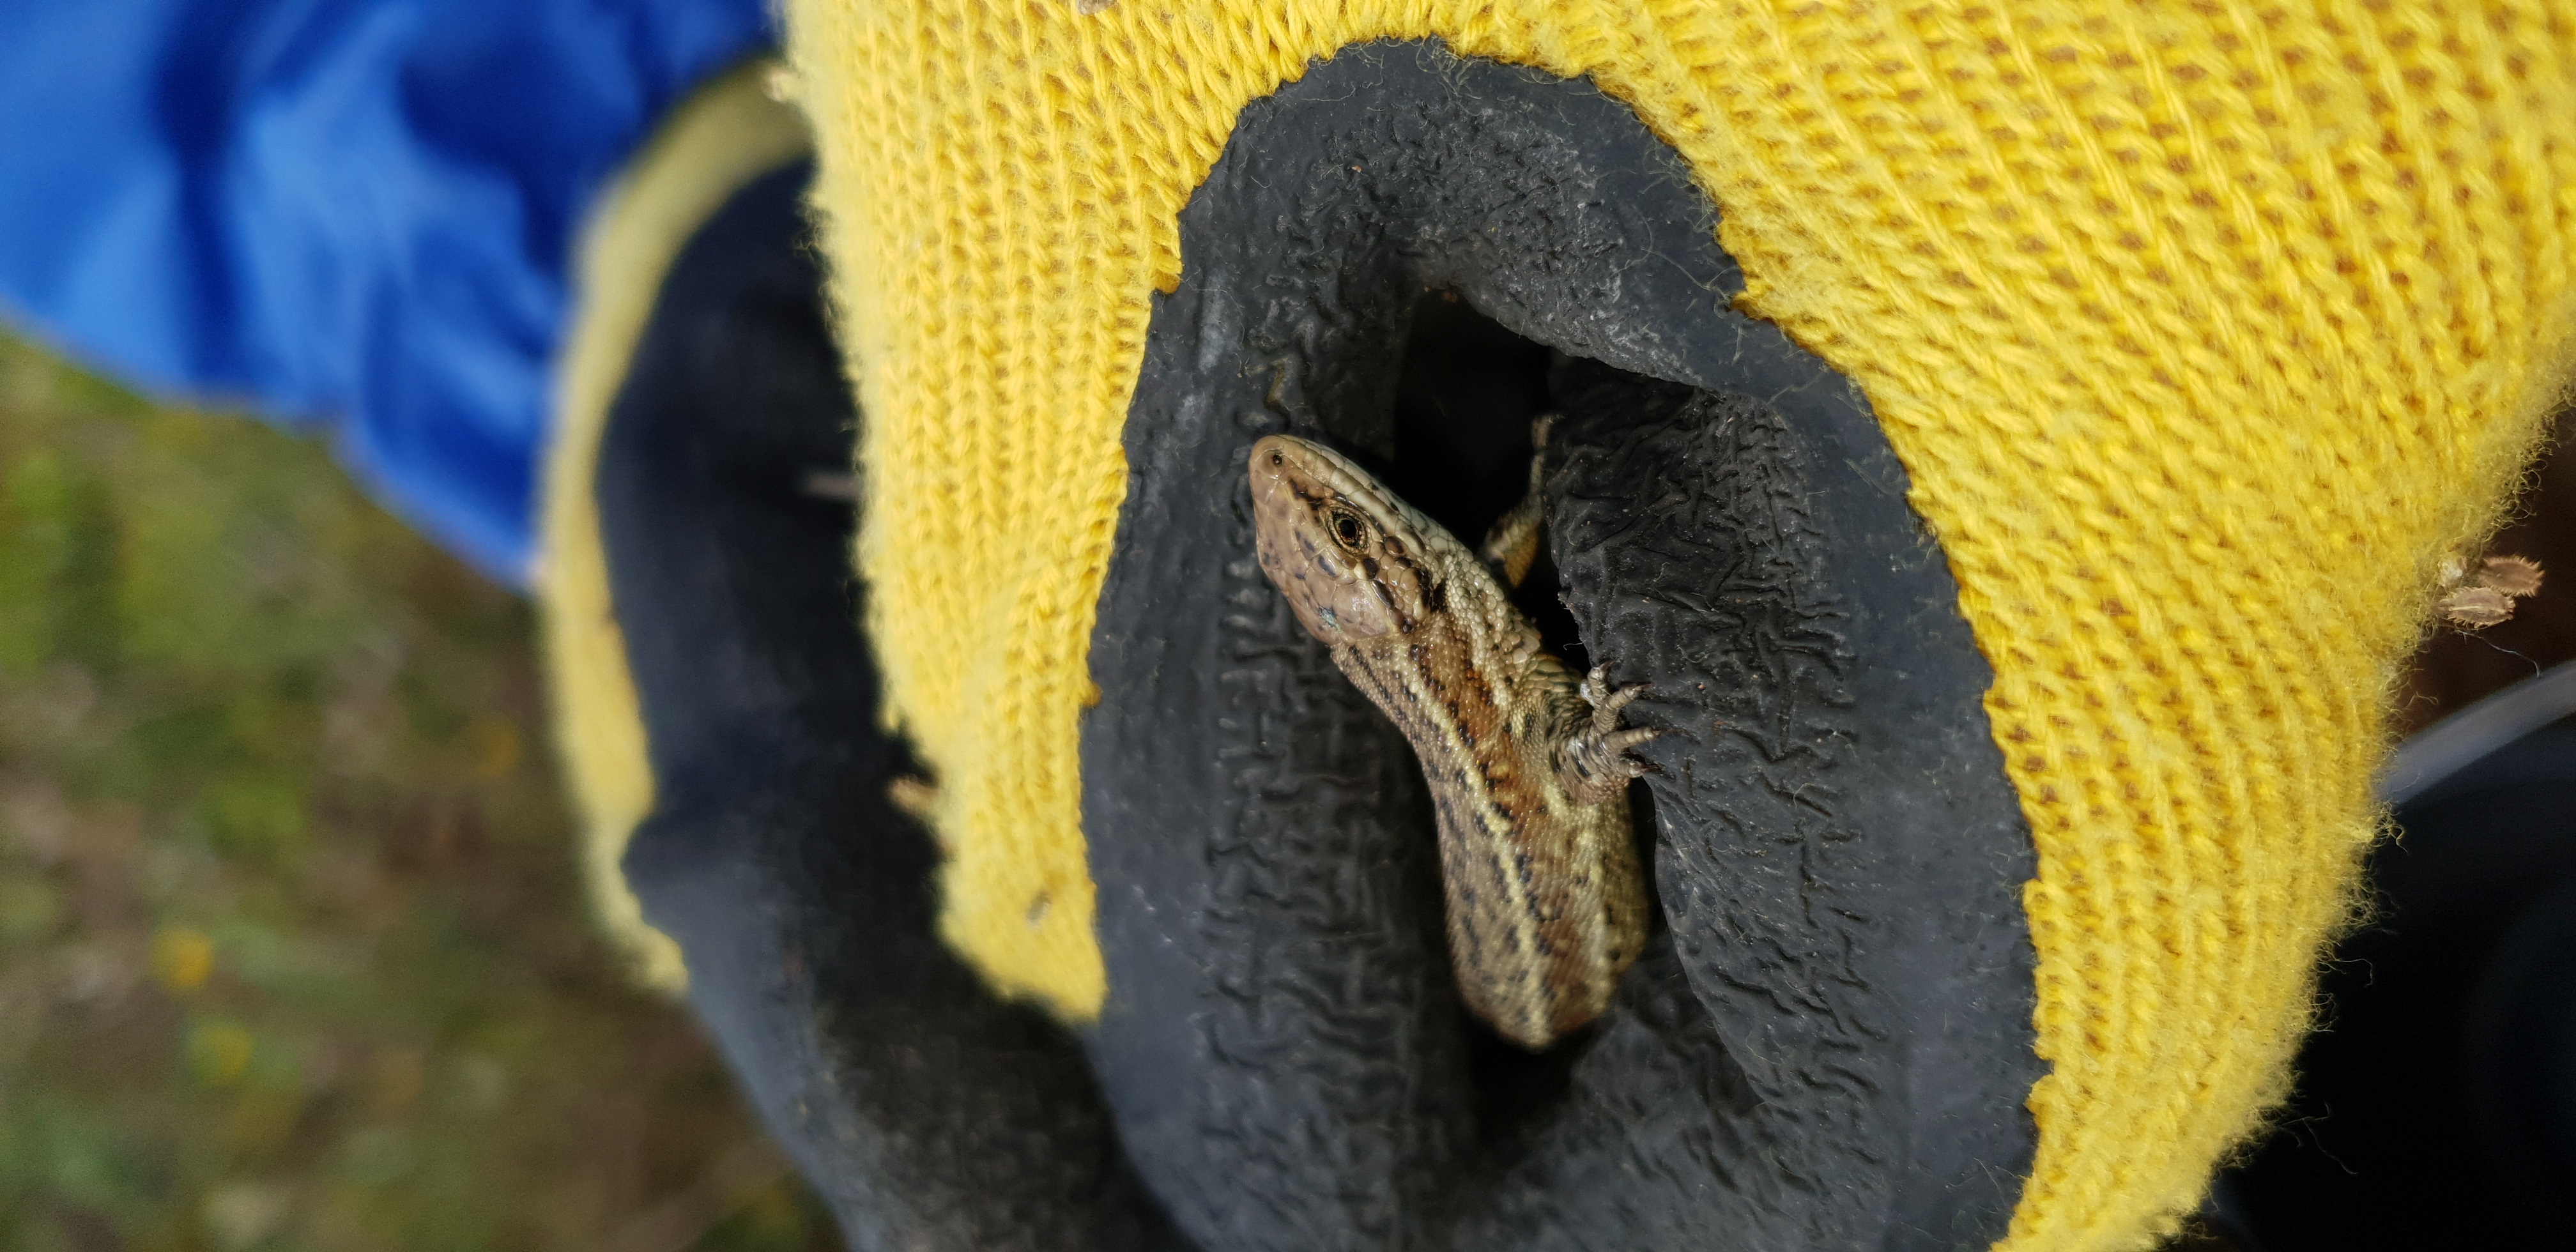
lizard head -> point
(1355, 562)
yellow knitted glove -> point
(2204, 332)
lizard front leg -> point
(1596, 762)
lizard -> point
(1528, 767)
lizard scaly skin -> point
(1528, 768)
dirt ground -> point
(293, 953)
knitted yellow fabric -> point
(2204, 330)
(726, 134)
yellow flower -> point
(182, 958)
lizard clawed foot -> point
(1596, 763)
(1607, 704)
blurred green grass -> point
(293, 953)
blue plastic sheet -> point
(356, 214)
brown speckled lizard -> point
(1528, 768)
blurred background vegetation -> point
(293, 953)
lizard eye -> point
(1349, 530)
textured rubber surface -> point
(1832, 1043)
(931, 1116)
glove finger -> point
(929, 1114)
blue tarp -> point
(355, 214)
